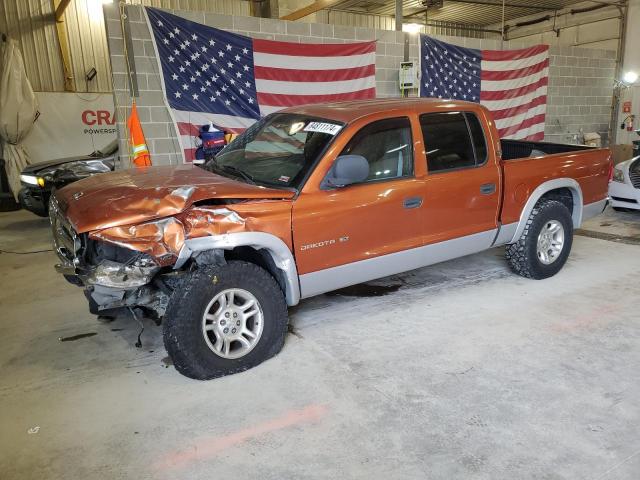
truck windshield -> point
(278, 151)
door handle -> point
(412, 202)
(488, 188)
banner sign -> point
(71, 124)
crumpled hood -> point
(132, 196)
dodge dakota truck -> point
(309, 200)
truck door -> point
(382, 215)
(463, 188)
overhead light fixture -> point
(411, 27)
(630, 77)
(94, 8)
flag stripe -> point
(536, 137)
(502, 85)
(315, 88)
(526, 123)
(312, 49)
(501, 55)
(277, 100)
(518, 119)
(516, 73)
(185, 128)
(517, 110)
(502, 104)
(297, 75)
(189, 154)
(312, 63)
(515, 92)
(504, 65)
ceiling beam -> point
(62, 6)
(507, 4)
(309, 9)
(65, 52)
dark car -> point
(39, 180)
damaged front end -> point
(133, 253)
(113, 276)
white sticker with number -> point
(328, 128)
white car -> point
(624, 189)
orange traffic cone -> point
(139, 150)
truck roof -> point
(350, 110)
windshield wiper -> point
(236, 171)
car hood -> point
(37, 167)
(126, 197)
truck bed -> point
(522, 174)
(516, 149)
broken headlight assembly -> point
(117, 267)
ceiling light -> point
(630, 77)
(411, 27)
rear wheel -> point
(224, 319)
(545, 244)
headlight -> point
(618, 175)
(76, 170)
(30, 179)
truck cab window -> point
(387, 146)
(452, 140)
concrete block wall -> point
(579, 95)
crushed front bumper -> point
(108, 284)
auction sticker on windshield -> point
(328, 128)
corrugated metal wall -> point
(31, 23)
(88, 45)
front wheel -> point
(544, 246)
(224, 319)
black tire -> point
(182, 332)
(522, 255)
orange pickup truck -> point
(311, 199)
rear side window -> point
(387, 146)
(453, 140)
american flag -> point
(512, 84)
(211, 75)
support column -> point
(61, 30)
(399, 16)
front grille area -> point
(634, 173)
(65, 240)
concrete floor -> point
(466, 371)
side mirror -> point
(346, 170)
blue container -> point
(212, 142)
